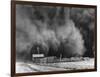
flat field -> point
(25, 67)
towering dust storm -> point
(48, 27)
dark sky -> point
(56, 30)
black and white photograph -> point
(54, 38)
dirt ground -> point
(24, 67)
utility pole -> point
(60, 57)
(38, 49)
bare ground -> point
(24, 67)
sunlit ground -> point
(25, 67)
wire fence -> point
(56, 60)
